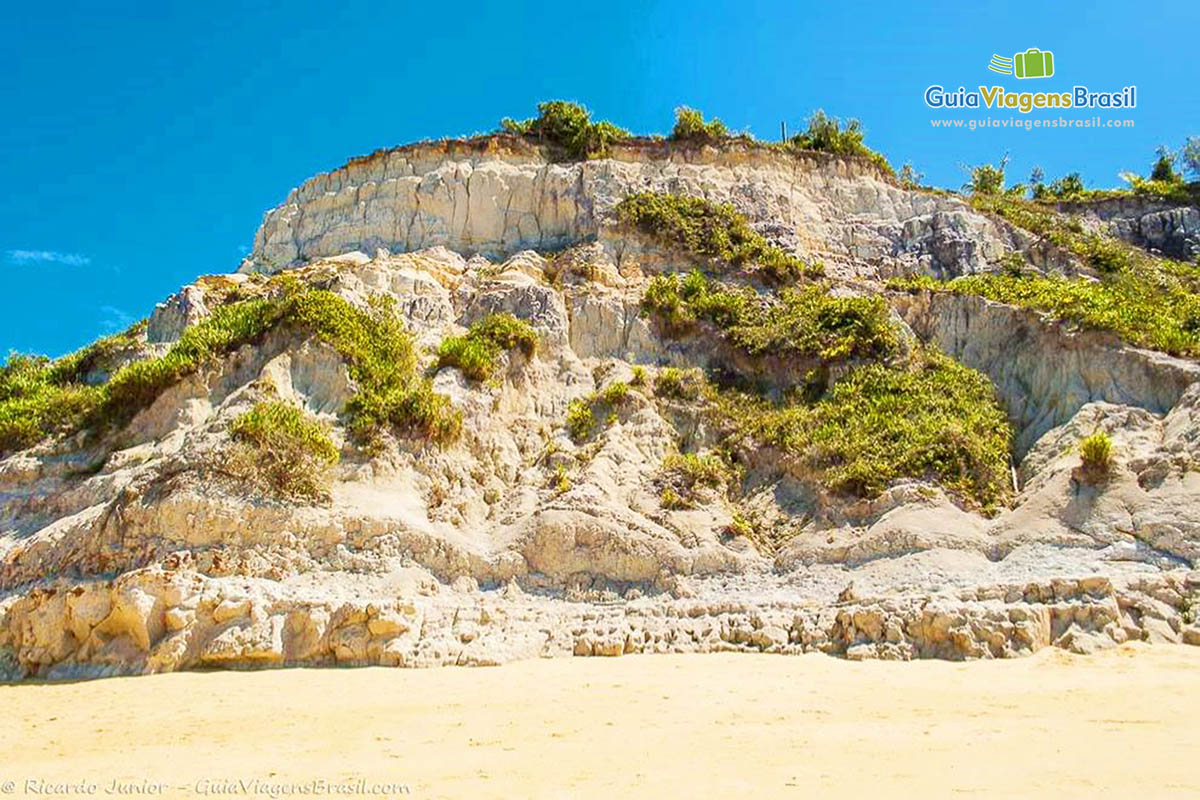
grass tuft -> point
(1096, 452)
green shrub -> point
(34, 406)
(1176, 191)
(739, 526)
(805, 321)
(76, 367)
(476, 352)
(1104, 253)
(830, 135)
(690, 126)
(678, 383)
(1069, 187)
(562, 481)
(579, 419)
(583, 412)
(569, 127)
(614, 394)
(707, 230)
(639, 376)
(283, 450)
(987, 179)
(1164, 166)
(671, 499)
(1096, 451)
(933, 419)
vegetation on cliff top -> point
(476, 352)
(569, 127)
(690, 126)
(39, 398)
(1164, 182)
(828, 134)
(707, 230)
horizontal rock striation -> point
(499, 197)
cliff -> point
(456, 407)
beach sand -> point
(1124, 723)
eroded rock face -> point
(503, 198)
(1045, 371)
(518, 541)
(1169, 228)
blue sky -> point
(143, 142)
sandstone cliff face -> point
(505, 197)
(517, 541)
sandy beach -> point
(1121, 722)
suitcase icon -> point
(1033, 63)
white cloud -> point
(47, 257)
(115, 319)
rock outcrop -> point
(1169, 228)
(141, 552)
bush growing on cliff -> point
(831, 135)
(933, 419)
(39, 397)
(685, 477)
(283, 451)
(989, 180)
(476, 352)
(690, 126)
(679, 384)
(373, 341)
(805, 321)
(582, 412)
(569, 127)
(34, 406)
(709, 230)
